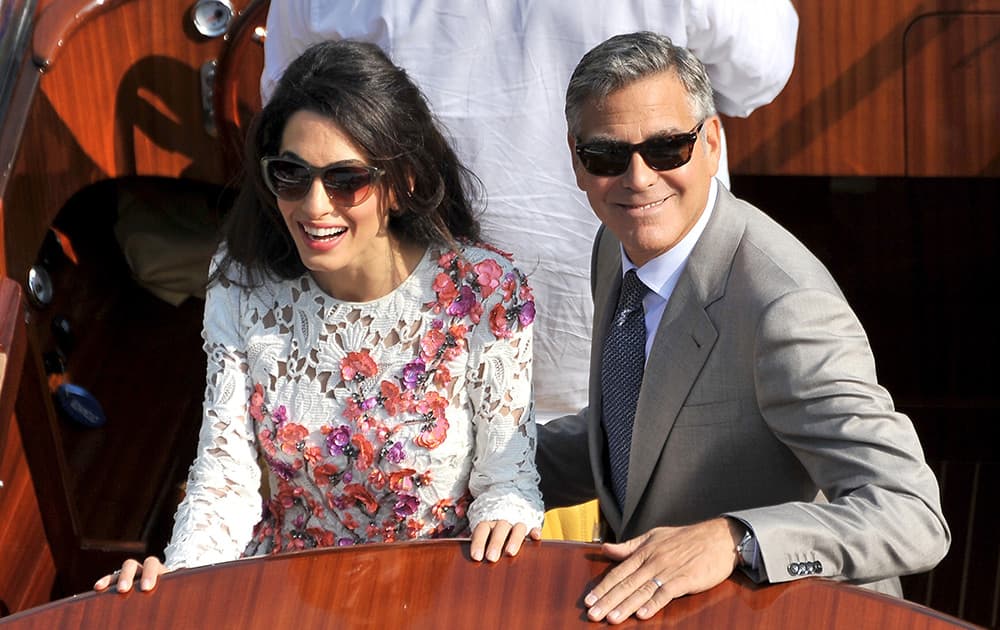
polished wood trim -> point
(12, 345)
(435, 584)
(27, 571)
(842, 111)
(59, 21)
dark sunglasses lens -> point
(664, 154)
(288, 180)
(348, 185)
(605, 160)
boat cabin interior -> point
(120, 131)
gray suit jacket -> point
(759, 401)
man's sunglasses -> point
(290, 179)
(607, 158)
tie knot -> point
(633, 290)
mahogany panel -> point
(435, 584)
(27, 572)
(953, 95)
(842, 110)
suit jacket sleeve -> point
(817, 391)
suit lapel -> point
(684, 340)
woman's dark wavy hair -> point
(385, 114)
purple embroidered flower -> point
(348, 476)
(281, 470)
(280, 415)
(396, 454)
(341, 502)
(337, 439)
(299, 521)
(369, 403)
(412, 372)
(437, 324)
(405, 506)
(526, 314)
(463, 303)
(345, 542)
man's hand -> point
(662, 564)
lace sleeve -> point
(504, 481)
(222, 503)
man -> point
(495, 74)
(759, 436)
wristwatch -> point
(747, 549)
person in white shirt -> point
(495, 74)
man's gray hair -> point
(625, 59)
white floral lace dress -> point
(406, 417)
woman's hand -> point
(150, 571)
(492, 538)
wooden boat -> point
(888, 128)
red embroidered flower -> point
(366, 453)
(357, 364)
(442, 376)
(323, 472)
(377, 479)
(498, 322)
(446, 291)
(257, 403)
(435, 436)
(441, 508)
(359, 493)
(291, 437)
(313, 454)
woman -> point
(362, 351)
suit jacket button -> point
(794, 569)
(817, 567)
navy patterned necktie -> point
(622, 364)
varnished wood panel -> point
(953, 95)
(436, 585)
(27, 571)
(842, 112)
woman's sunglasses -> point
(290, 179)
(609, 159)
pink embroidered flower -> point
(435, 436)
(358, 366)
(498, 322)
(401, 480)
(508, 285)
(313, 455)
(488, 274)
(430, 344)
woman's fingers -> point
(124, 578)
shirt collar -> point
(661, 273)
